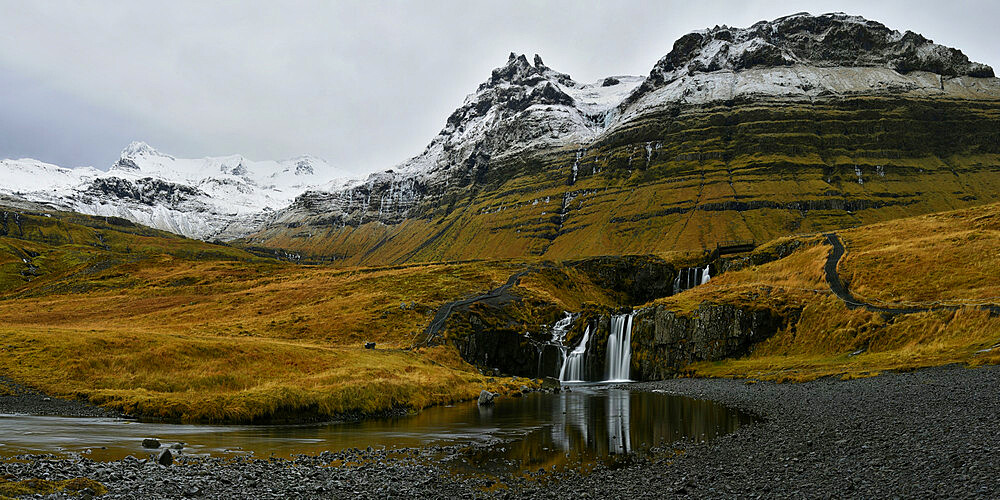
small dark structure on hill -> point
(735, 246)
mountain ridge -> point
(685, 158)
(825, 100)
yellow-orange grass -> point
(951, 257)
(823, 342)
(190, 378)
(794, 280)
(259, 300)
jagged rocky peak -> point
(513, 88)
(827, 40)
(518, 71)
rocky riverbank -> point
(930, 433)
(16, 398)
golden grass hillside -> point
(951, 258)
(161, 326)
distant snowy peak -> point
(207, 198)
(139, 148)
(140, 159)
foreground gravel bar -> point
(930, 433)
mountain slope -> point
(209, 198)
(800, 124)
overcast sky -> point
(362, 84)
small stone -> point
(166, 458)
(150, 443)
(486, 398)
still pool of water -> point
(580, 426)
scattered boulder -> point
(150, 443)
(165, 458)
(177, 446)
(486, 398)
(369, 345)
(551, 383)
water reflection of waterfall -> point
(619, 359)
(572, 368)
(619, 431)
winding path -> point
(445, 311)
(838, 287)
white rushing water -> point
(572, 368)
(618, 366)
(561, 327)
(690, 277)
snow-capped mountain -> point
(526, 108)
(805, 57)
(208, 198)
(522, 108)
(531, 145)
(526, 119)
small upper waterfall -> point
(560, 328)
(572, 368)
(690, 277)
(619, 362)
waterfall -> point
(572, 368)
(690, 277)
(560, 328)
(619, 360)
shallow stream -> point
(571, 428)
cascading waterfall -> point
(572, 368)
(618, 366)
(690, 277)
(560, 328)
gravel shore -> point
(16, 398)
(930, 433)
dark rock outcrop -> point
(664, 341)
(637, 278)
(148, 190)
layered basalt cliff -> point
(801, 124)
